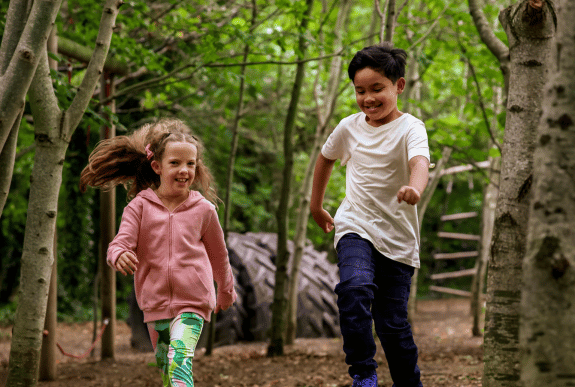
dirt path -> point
(449, 356)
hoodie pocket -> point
(192, 287)
(155, 291)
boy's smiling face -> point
(376, 96)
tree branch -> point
(43, 100)
(94, 70)
(16, 17)
(15, 82)
(495, 45)
(83, 54)
(478, 88)
(7, 158)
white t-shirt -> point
(377, 167)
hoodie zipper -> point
(170, 243)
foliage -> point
(184, 60)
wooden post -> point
(107, 233)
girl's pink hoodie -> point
(180, 254)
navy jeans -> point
(374, 287)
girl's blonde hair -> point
(123, 160)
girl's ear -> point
(156, 166)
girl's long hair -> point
(123, 160)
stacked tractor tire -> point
(252, 257)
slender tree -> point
(53, 130)
(48, 368)
(547, 308)
(279, 310)
(325, 113)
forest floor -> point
(448, 356)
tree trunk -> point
(390, 22)
(530, 36)
(53, 130)
(48, 353)
(487, 219)
(37, 261)
(107, 233)
(547, 309)
(325, 113)
(231, 166)
(276, 346)
(48, 367)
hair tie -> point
(149, 153)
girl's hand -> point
(408, 194)
(126, 263)
(323, 219)
(225, 300)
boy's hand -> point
(408, 194)
(323, 219)
(126, 263)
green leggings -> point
(175, 341)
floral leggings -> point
(175, 341)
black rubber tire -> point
(317, 313)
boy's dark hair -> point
(386, 60)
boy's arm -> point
(321, 175)
(419, 175)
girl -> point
(169, 238)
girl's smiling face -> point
(177, 169)
(376, 96)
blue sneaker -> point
(366, 381)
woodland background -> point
(153, 40)
(262, 84)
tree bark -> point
(325, 113)
(7, 159)
(276, 346)
(107, 233)
(390, 22)
(48, 354)
(546, 334)
(530, 41)
(53, 130)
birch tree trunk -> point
(279, 312)
(53, 130)
(547, 337)
(325, 113)
(530, 32)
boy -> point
(377, 233)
